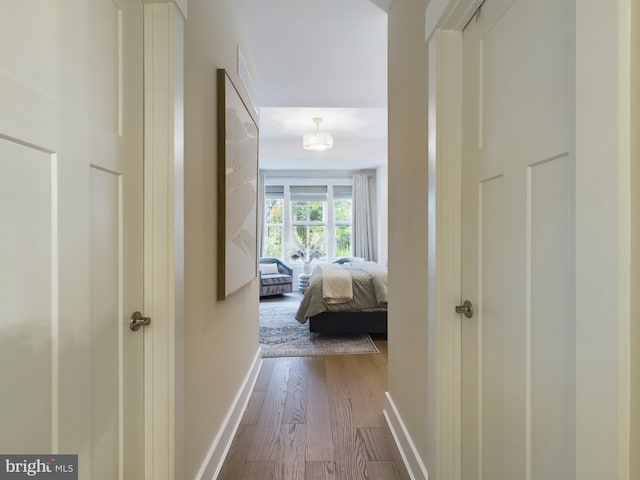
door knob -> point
(466, 309)
(137, 321)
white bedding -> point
(337, 286)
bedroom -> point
(333, 197)
(310, 221)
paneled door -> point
(517, 242)
(71, 173)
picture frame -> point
(237, 190)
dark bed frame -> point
(348, 322)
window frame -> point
(343, 223)
(329, 221)
(265, 234)
(311, 223)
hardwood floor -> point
(317, 418)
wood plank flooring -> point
(317, 418)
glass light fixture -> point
(317, 140)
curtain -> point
(363, 245)
(261, 212)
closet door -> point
(518, 171)
(71, 244)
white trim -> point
(183, 7)
(408, 451)
(163, 239)
(222, 442)
(448, 15)
(602, 288)
(55, 305)
(176, 342)
(444, 21)
(444, 247)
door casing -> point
(164, 234)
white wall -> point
(221, 338)
(408, 217)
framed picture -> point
(237, 190)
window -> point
(274, 221)
(318, 216)
(342, 216)
(308, 216)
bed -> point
(360, 309)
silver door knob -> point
(466, 309)
(137, 321)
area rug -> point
(281, 335)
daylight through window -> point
(315, 217)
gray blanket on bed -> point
(369, 292)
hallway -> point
(317, 418)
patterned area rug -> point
(281, 335)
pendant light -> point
(318, 140)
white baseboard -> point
(410, 456)
(221, 444)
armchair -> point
(276, 278)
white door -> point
(71, 243)
(517, 239)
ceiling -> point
(318, 58)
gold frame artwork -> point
(237, 190)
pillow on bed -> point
(269, 268)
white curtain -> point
(363, 235)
